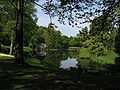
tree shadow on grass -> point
(30, 77)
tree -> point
(38, 38)
(19, 33)
(75, 11)
(73, 41)
(6, 11)
(9, 31)
(83, 36)
(29, 20)
(112, 11)
(52, 37)
(104, 30)
(117, 38)
(48, 37)
(65, 42)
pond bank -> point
(108, 58)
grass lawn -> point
(109, 58)
(25, 48)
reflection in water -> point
(69, 59)
(69, 63)
(89, 75)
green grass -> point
(6, 56)
(84, 53)
(7, 47)
(109, 58)
(27, 49)
(73, 47)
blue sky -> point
(43, 20)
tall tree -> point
(104, 29)
(112, 8)
(19, 33)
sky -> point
(43, 20)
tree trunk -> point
(19, 34)
(0, 33)
(117, 42)
(11, 45)
(0, 47)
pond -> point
(68, 59)
(72, 72)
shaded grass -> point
(27, 77)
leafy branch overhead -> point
(75, 11)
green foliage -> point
(51, 38)
(109, 58)
(83, 36)
(38, 37)
(101, 37)
(65, 42)
(30, 20)
(8, 21)
(73, 41)
(85, 53)
(103, 29)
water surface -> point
(67, 59)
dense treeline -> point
(98, 40)
(48, 38)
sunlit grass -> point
(6, 56)
(106, 59)
(84, 53)
(26, 49)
